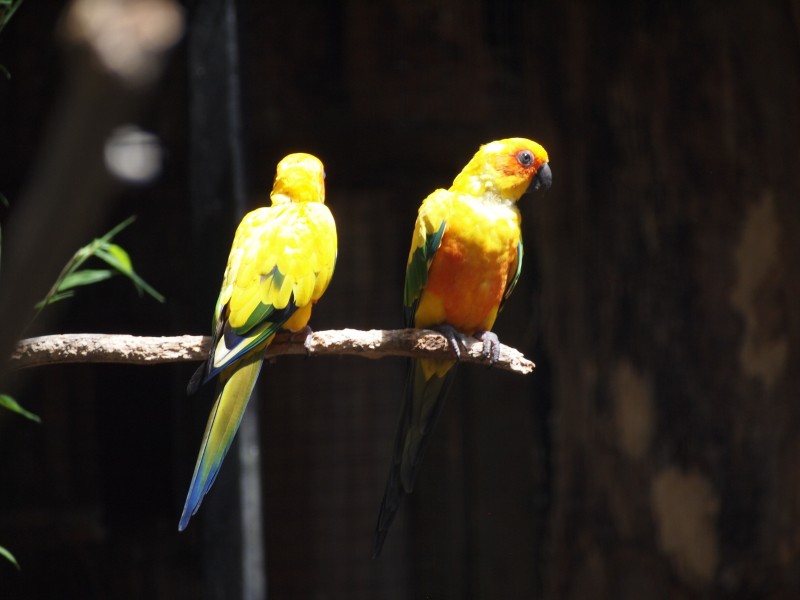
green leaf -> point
(108, 236)
(118, 258)
(72, 280)
(114, 255)
(8, 402)
(84, 277)
(52, 299)
(124, 264)
(9, 557)
(7, 10)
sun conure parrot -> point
(281, 261)
(465, 258)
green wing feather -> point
(423, 400)
(517, 270)
(426, 242)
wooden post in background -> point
(233, 539)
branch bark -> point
(129, 349)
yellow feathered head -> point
(299, 177)
(506, 168)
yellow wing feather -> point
(286, 251)
(282, 260)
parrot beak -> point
(543, 178)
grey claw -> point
(454, 338)
(491, 346)
(305, 333)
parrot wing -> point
(515, 270)
(428, 232)
(282, 259)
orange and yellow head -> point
(505, 168)
(299, 177)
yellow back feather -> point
(283, 253)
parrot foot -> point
(305, 335)
(454, 338)
(491, 345)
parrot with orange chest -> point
(465, 259)
(281, 261)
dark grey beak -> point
(543, 178)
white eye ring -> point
(525, 158)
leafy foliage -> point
(7, 10)
(72, 276)
(8, 402)
(8, 556)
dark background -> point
(654, 451)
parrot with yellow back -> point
(465, 258)
(280, 264)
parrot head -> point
(299, 177)
(506, 168)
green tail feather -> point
(423, 401)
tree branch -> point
(129, 349)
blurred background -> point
(654, 451)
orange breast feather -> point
(469, 280)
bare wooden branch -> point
(129, 349)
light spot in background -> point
(685, 508)
(633, 409)
(133, 155)
(128, 38)
(757, 293)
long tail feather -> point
(423, 400)
(234, 390)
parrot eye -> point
(525, 158)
